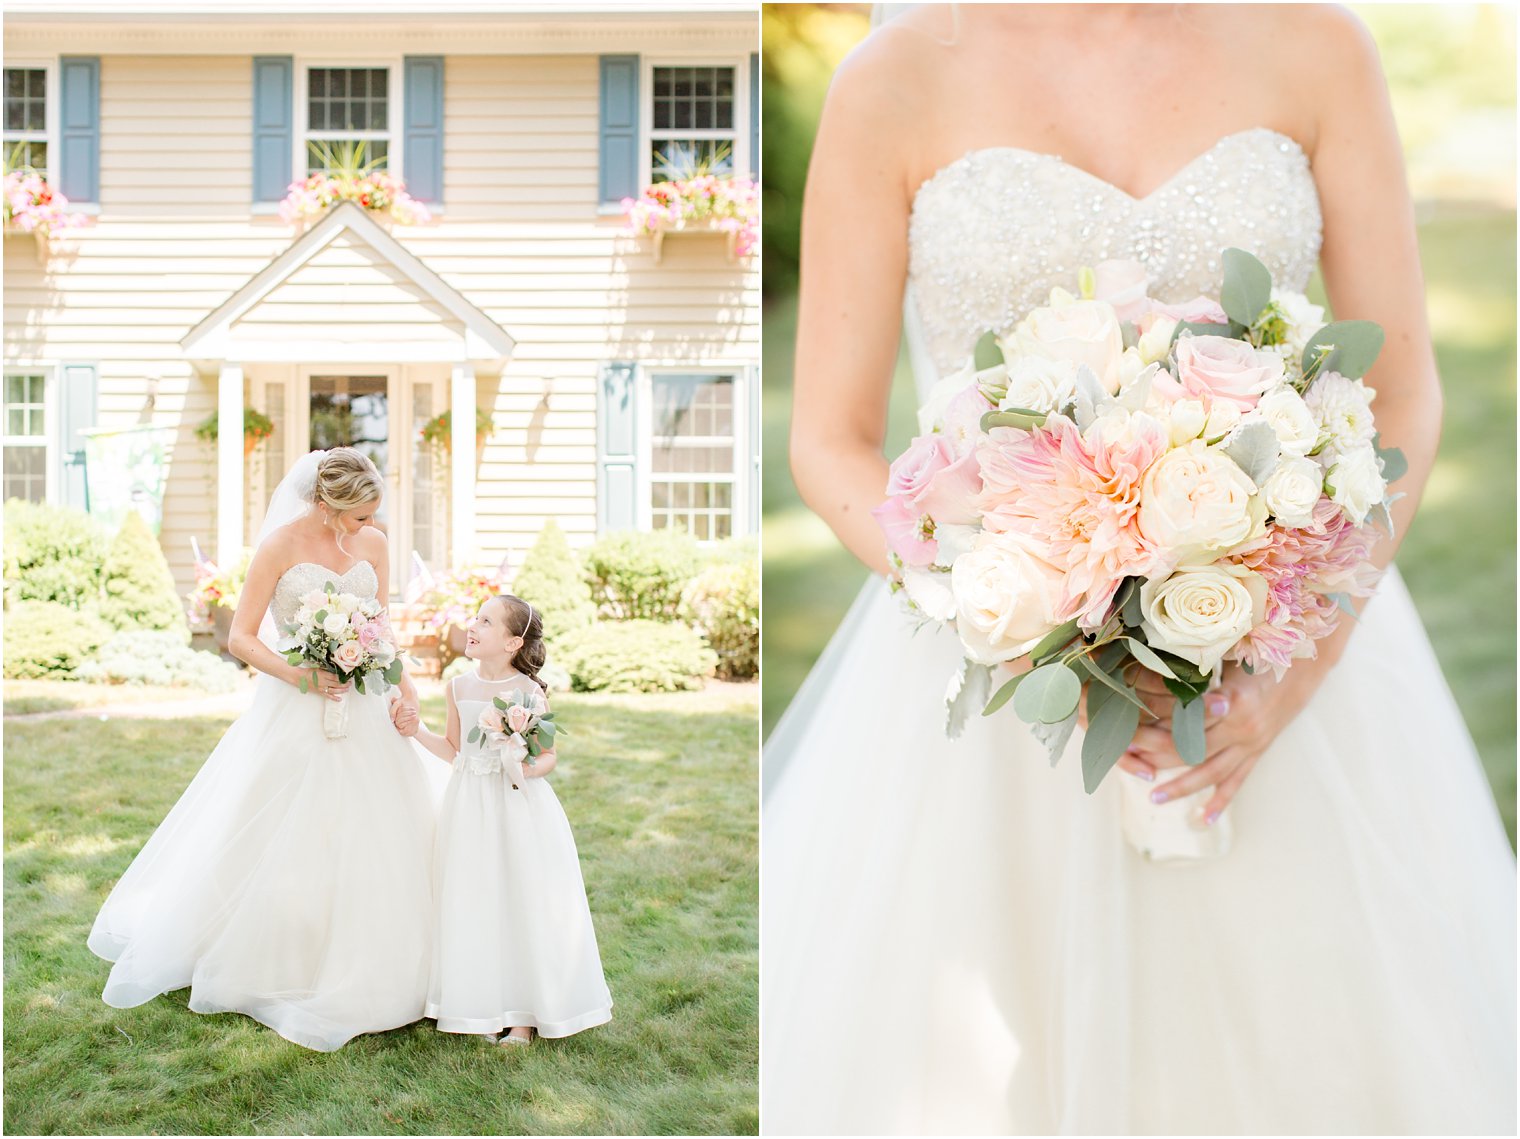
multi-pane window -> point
(693, 122)
(692, 448)
(26, 436)
(26, 119)
(347, 117)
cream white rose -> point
(348, 655)
(1224, 417)
(1293, 489)
(346, 603)
(335, 624)
(1085, 332)
(1289, 415)
(931, 414)
(1006, 597)
(1200, 612)
(1039, 383)
(1355, 482)
(370, 607)
(1342, 408)
(1194, 497)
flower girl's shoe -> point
(508, 1038)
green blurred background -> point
(1451, 71)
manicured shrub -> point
(138, 589)
(636, 656)
(48, 639)
(153, 656)
(641, 575)
(52, 553)
(723, 604)
(551, 580)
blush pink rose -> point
(518, 718)
(1122, 284)
(937, 481)
(348, 655)
(905, 537)
(369, 633)
(1199, 310)
(1213, 368)
(491, 720)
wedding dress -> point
(291, 881)
(958, 939)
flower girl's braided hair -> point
(522, 616)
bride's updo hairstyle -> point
(347, 480)
(523, 621)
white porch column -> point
(462, 478)
(229, 465)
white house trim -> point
(738, 135)
(484, 341)
(395, 104)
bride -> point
(957, 938)
(291, 882)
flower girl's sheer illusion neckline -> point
(1133, 199)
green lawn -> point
(661, 793)
(1464, 536)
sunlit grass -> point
(661, 793)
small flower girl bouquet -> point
(1119, 485)
(345, 634)
(513, 731)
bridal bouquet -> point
(345, 634)
(514, 730)
(1118, 484)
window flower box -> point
(704, 203)
(33, 207)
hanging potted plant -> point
(256, 428)
(438, 432)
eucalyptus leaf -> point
(1247, 287)
(968, 689)
(1097, 696)
(987, 353)
(1395, 466)
(1186, 689)
(1048, 695)
(1234, 330)
(1023, 420)
(1133, 613)
(1147, 656)
(1003, 694)
(1255, 449)
(1187, 731)
(1356, 344)
(1055, 737)
(474, 735)
(1382, 516)
(1106, 678)
(1109, 733)
(1057, 638)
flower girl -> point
(514, 950)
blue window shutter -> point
(422, 143)
(79, 128)
(617, 449)
(619, 164)
(273, 126)
(754, 114)
(76, 413)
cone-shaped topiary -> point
(138, 590)
(550, 580)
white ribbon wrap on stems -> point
(335, 718)
(1171, 832)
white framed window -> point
(30, 417)
(31, 119)
(695, 110)
(695, 468)
(342, 105)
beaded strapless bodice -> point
(990, 234)
(301, 578)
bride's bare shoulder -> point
(888, 75)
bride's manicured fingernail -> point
(1219, 705)
(1160, 795)
(1211, 818)
(1144, 773)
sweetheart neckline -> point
(1099, 180)
(329, 569)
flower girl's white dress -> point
(958, 939)
(513, 943)
(291, 881)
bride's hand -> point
(1255, 709)
(327, 684)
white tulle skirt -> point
(958, 939)
(514, 942)
(291, 882)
